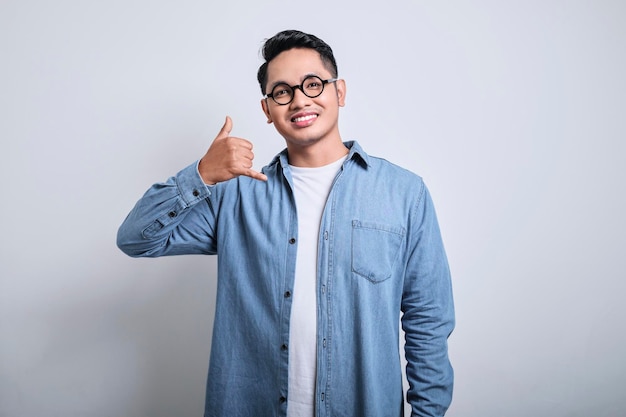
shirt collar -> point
(356, 152)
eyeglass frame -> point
(301, 88)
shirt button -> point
(326, 235)
(283, 347)
(196, 193)
(292, 240)
(172, 214)
(287, 294)
(282, 400)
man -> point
(319, 254)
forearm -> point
(429, 371)
(171, 218)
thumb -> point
(225, 132)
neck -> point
(316, 155)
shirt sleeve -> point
(428, 315)
(174, 217)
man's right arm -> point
(177, 217)
(172, 218)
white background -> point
(512, 111)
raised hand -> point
(228, 157)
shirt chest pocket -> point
(375, 249)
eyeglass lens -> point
(312, 87)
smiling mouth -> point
(304, 118)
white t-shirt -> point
(311, 189)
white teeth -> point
(304, 118)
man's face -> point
(305, 121)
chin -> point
(300, 136)
(308, 136)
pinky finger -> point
(256, 175)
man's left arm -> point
(428, 314)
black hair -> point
(290, 39)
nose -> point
(299, 98)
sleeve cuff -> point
(191, 186)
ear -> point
(341, 92)
(266, 110)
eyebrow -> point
(310, 74)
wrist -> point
(204, 175)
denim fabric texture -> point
(380, 258)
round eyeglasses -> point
(312, 86)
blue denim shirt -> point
(380, 257)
